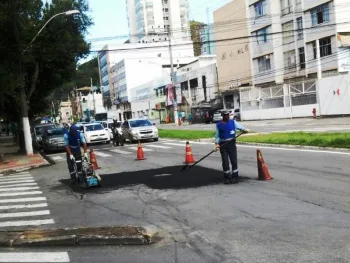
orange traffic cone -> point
(93, 160)
(188, 154)
(263, 169)
(140, 155)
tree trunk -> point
(34, 79)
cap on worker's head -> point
(225, 112)
(73, 128)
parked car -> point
(139, 129)
(217, 116)
(235, 114)
(108, 125)
(95, 132)
(53, 139)
(37, 133)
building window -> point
(286, 7)
(302, 57)
(264, 63)
(300, 28)
(260, 8)
(261, 36)
(289, 59)
(325, 47)
(320, 14)
(166, 9)
(288, 35)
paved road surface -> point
(302, 124)
(302, 215)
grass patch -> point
(186, 134)
(332, 140)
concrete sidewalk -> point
(12, 161)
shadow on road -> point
(161, 178)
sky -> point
(110, 19)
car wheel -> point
(108, 141)
(156, 139)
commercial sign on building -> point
(171, 92)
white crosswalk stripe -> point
(17, 185)
(158, 146)
(143, 148)
(48, 257)
(175, 144)
(13, 189)
(120, 151)
(21, 204)
(101, 154)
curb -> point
(295, 146)
(126, 235)
(26, 168)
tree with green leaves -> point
(31, 72)
(195, 28)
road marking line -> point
(3, 179)
(24, 214)
(120, 151)
(39, 257)
(159, 146)
(57, 158)
(14, 182)
(20, 200)
(27, 223)
(4, 207)
(21, 173)
(13, 175)
(14, 185)
(175, 144)
(144, 149)
(101, 154)
(291, 149)
(202, 143)
(21, 193)
(15, 179)
(13, 189)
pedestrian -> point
(190, 118)
(225, 140)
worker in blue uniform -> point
(73, 140)
(226, 133)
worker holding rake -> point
(225, 140)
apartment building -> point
(292, 34)
(293, 44)
(232, 51)
(207, 40)
(151, 20)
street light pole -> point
(22, 93)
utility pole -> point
(93, 99)
(176, 117)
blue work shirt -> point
(230, 123)
(76, 146)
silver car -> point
(37, 132)
(217, 116)
(139, 129)
(53, 140)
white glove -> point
(86, 156)
(71, 157)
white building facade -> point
(151, 20)
(293, 44)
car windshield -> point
(140, 123)
(95, 127)
(40, 130)
(55, 132)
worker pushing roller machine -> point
(225, 140)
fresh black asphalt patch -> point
(160, 178)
